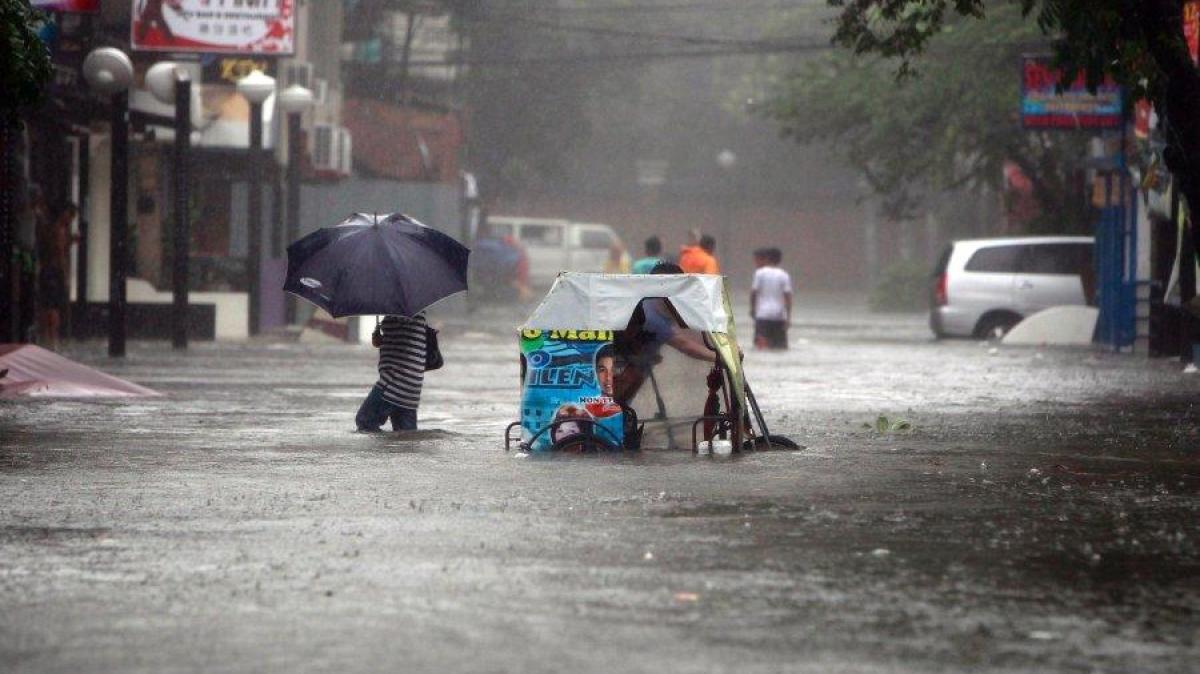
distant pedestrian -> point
(618, 259)
(54, 248)
(653, 248)
(770, 300)
(397, 394)
(700, 258)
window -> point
(943, 261)
(595, 239)
(994, 259)
(541, 235)
(1057, 258)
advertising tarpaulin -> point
(1044, 107)
(72, 6)
(568, 387)
(214, 26)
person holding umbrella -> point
(389, 265)
(397, 394)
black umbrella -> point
(376, 264)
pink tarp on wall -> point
(36, 372)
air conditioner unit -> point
(298, 72)
(332, 151)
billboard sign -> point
(70, 6)
(568, 387)
(1044, 107)
(264, 27)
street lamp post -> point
(171, 83)
(727, 160)
(256, 88)
(109, 71)
(294, 101)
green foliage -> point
(24, 60)
(953, 126)
(902, 287)
(1135, 41)
(527, 112)
(1140, 43)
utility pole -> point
(8, 227)
(181, 249)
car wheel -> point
(995, 326)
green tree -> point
(527, 111)
(952, 127)
(1140, 43)
(24, 60)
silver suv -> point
(983, 287)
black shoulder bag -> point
(433, 354)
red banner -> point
(70, 6)
(1191, 28)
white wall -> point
(98, 211)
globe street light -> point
(294, 101)
(171, 84)
(256, 87)
(109, 72)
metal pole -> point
(254, 203)
(183, 132)
(8, 227)
(119, 225)
(295, 153)
(81, 251)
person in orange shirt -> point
(699, 259)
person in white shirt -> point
(770, 300)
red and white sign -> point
(214, 26)
(1191, 28)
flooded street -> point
(1040, 514)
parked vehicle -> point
(983, 287)
(555, 245)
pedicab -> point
(613, 362)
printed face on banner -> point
(214, 26)
(567, 378)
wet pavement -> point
(1041, 514)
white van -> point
(983, 287)
(555, 245)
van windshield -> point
(541, 235)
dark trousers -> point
(770, 334)
(375, 410)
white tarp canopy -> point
(581, 301)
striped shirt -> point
(402, 359)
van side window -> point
(994, 259)
(541, 235)
(595, 239)
(1057, 258)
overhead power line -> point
(619, 32)
(677, 7)
(578, 58)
